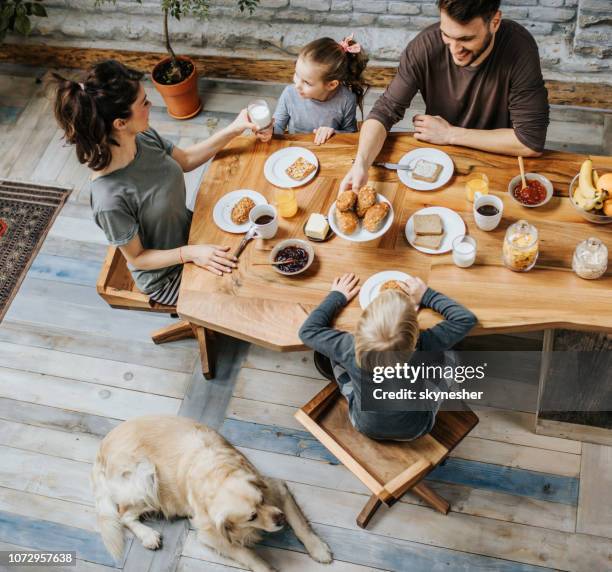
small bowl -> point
(292, 242)
(531, 177)
(590, 216)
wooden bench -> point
(388, 468)
(116, 286)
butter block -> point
(317, 226)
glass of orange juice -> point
(476, 182)
(286, 202)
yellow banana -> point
(595, 177)
(586, 180)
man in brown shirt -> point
(481, 81)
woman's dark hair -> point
(339, 64)
(86, 110)
(466, 10)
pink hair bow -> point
(346, 45)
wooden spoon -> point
(289, 261)
(522, 168)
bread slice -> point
(427, 224)
(300, 169)
(426, 171)
(429, 241)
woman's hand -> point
(242, 122)
(264, 135)
(347, 285)
(415, 288)
(213, 257)
(322, 134)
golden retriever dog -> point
(180, 468)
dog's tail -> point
(109, 522)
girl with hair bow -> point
(326, 91)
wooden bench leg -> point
(203, 335)
(367, 512)
(173, 333)
(432, 498)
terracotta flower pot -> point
(182, 99)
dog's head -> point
(239, 509)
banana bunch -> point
(588, 195)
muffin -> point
(366, 198)
(346, 201)
(347, 221)
(375, 216)
(241, 210)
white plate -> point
(433, 155)
(361, 234)
(222, 213)
(277, 163)
(371, 287)
(453, 227)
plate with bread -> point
(379, 282)
(433, 229)
(362, 216)
(291, 167)
(231, 213)
(430, 169)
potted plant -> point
(15, 16)
(175, 77)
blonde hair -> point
(387, 331)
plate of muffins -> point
(379, 282)
(362, 216)
(231, 213)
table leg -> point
(202, 336)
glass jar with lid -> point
(590, 259)
(521, 246)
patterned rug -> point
(27, 212)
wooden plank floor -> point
(71, 369)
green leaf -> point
(39, 10)
(23, 25)
(20, 10)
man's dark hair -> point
(465, 10)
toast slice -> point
(429, 241)
(429, 224)
(426, 171)
(300, 169)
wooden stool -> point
(388, 468)
(116, 285)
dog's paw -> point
(151, 539)
(319, 551)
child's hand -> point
(347, 285)
(415, 288)
(322, 134)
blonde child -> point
(326, 91)
(388, 328)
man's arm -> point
(438, 131)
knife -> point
(394, 166)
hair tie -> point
(349, 45)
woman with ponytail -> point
(327, 90)
(137, 185)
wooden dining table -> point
(257, 304)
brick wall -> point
(575, 36)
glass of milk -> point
(259, 113)
(464, 251)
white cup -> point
(264, 230)
(464, 251)
(487, 222)
(259, 113)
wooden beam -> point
(589, 95)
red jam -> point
(533, 194)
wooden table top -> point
(257, 304)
